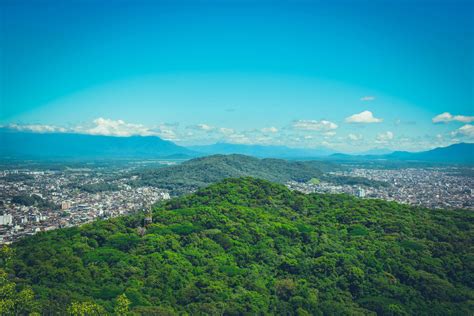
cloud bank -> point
(269, 130)
(312, 125)
(299, 133)
(108, 127)
(384, 138)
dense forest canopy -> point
(248, 246)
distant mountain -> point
(462, 152)
(261, 151)
(200, 172)
(375, 151)
(456, 153)
(78, 146)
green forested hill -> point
(247, 246)
(203, 171)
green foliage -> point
(349, 180)
(247, 246)
(85, 309)
(98, 187)
(34, 200)
(14, 300)
(122, 304)
(199, 172)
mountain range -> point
(262, 151)
(16, 145)
(456, 153)
(80, 146)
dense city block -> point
(33, 200)
(434, 187)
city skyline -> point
(394, 75)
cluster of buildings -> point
(68, 204)
(60, 199)
(448, 188)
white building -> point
(6, 219)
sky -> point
(347, 75)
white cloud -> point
(354, 137)
(367, 98)
(202, 127)
(443, 117)
(329, 134)
(384, 137)
(105, 127)
(37, 128)
(363, 117)
(269, 130)
(205, 127)
(166, 132)
(110, 127)
(447, 117)
(312, 125)
(226, 131)
(463, 118)
(238, 139)
(465, 130)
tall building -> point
(360, 192)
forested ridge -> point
(200, 172)
(248, 246)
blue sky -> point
(349, 75)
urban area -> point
(448, 188)
(32, 200)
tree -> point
(85, 309)
(11, 301)
(122, 304)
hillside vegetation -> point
(248, 246)
(200, 172)
(203, 171)
(34, 200)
